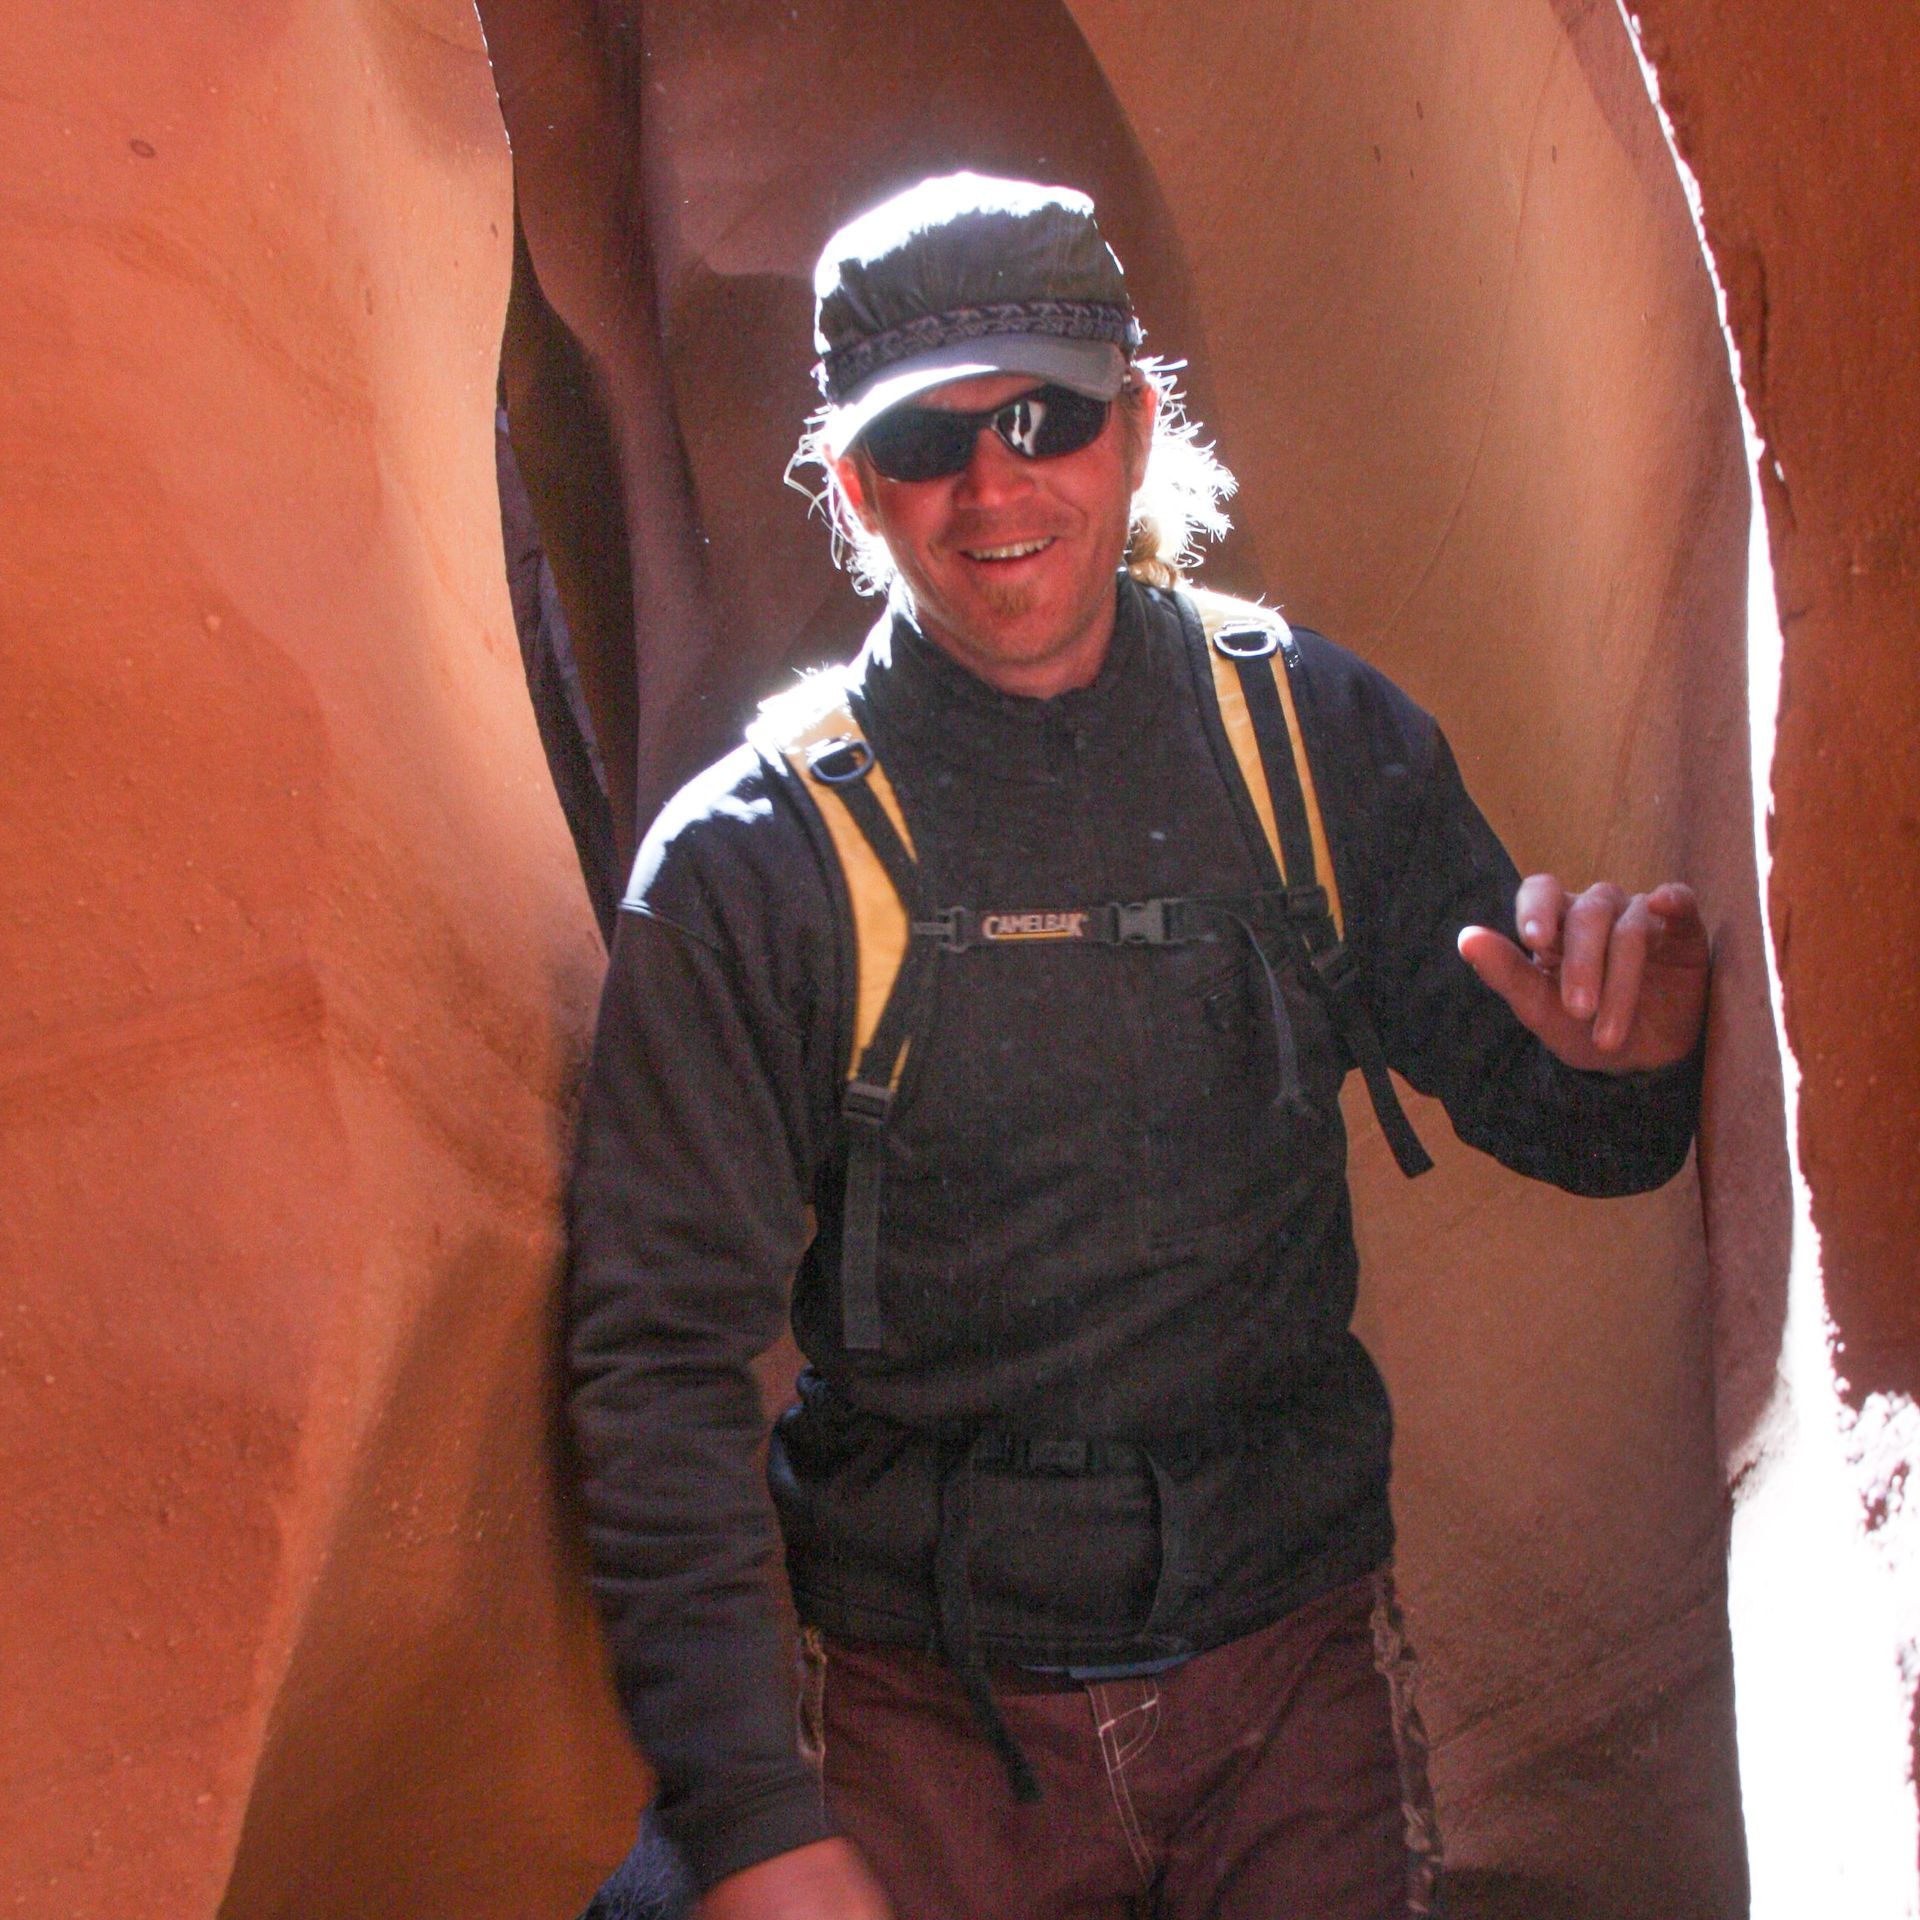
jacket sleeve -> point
(688, 1219)
(1417, 862)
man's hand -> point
(824, 1881)
(1606, 981)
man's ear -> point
(848, 478)
(1142, 405)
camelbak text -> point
(1033, 926)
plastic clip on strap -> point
(952, 929)
(1147, 923)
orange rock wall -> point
(298, 968)
(301, 968)
(1799, 126)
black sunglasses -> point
(931, 443)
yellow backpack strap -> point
(1252, 663)
(1262, 723)
(816, 731)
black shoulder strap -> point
(1256, 716)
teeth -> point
(1018, 551)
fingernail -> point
(1580, 1001)
(1532, 929)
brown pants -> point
(1280, 1777)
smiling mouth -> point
(1014, 550)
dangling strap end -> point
(953, 1601)
(999, 1736)
(865, 1108)
(1410, 1156)
(1413, 1158)
(1019, 1769)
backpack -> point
(1251, 710)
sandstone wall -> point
(1799, 125)
(298, 968)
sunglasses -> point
(931, 443)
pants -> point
(1281, 1777)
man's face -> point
(1011, 561)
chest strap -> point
(1167, 922)
(1252, 719)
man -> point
(1085, 1494)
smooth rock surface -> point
(299, 964)
(299, 970)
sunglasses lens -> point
(932, 443)
(1067, 421)
(921, 443)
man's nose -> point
(994, 470)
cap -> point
(964, 275)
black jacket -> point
(1097, 1224)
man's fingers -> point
(1538, 910)
(1680, 935)
(1585, 938)
(1510, 973)
(1626, 970)
(1612, 982)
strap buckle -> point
(1041, 1454)
(1309, 904)
(1309, 909)
(841, 760)
(1247, 640)
(951, 928)
(1336, 966)
(1145, 923)
(865, 1104)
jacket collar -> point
(923, 698)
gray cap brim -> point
(1092, 367)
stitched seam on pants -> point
(1115, 1760)
(1393, 1659)
(810, 1706)
(1147, 1715)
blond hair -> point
(1181, 499)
